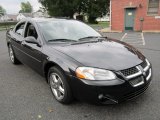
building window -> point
(153, 7)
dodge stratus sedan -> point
(78, 62)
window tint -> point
(20, 29)
(31, 31)
(153, 7)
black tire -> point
(62, 83)
(12, 56)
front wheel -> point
(59, 86)
(12, 56)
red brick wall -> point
(118, 15)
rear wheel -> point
(12, 56)
(59, 86)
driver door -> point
(32, 52)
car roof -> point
(46, 19)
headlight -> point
(94, 74)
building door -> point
(129, 19)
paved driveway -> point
(25, 95)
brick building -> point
(137, 15)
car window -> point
(68, 29)
(31, 31)
(20, 29)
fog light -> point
(100, 96)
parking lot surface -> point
(25, 95)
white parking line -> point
(143, 38)
(123, 36)
(134, 38)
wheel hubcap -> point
(57, 86)
(11, 54)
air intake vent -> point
(137, 81)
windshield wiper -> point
(88, 37)
(81, 41)
(62, 40)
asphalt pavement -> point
(25, 95)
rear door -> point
(17, 36)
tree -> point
(26, 7)
(61, 8)
(67, 8)
(96, 8)
(2, 10)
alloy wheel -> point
(11, 54)
(57, 86)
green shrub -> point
(7, 23)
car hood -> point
(108, 54)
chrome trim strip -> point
(146, 68)
(140, 83)
(149, 76)
(148, 62)
(140, 71)
(134, 75)
(148, 65)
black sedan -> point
(78, 62)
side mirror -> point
(32, 40)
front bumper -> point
(107, 92)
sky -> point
(13, 6)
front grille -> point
(136, 81)
(144, 64)
(135, 74)
(130, 71)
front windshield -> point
(66, 29)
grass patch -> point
(100, 25)
(6, 25)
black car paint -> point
(102, 54)
(106, 54)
